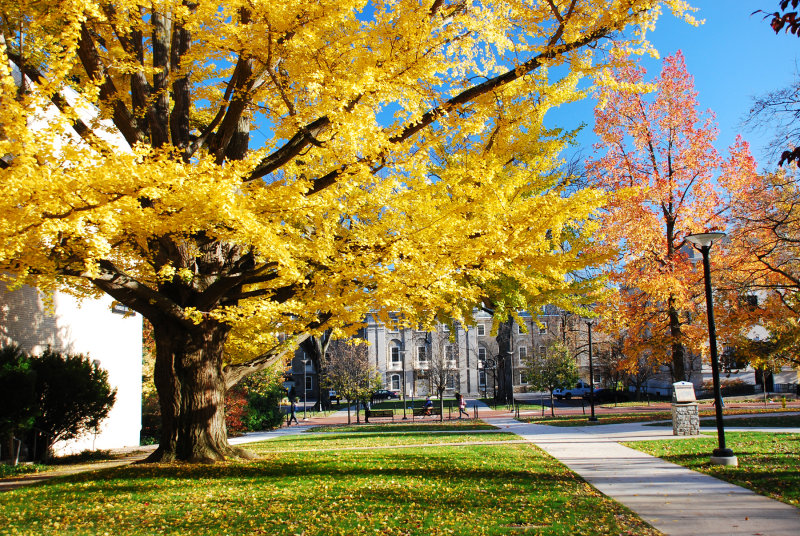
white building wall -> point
(88, 327)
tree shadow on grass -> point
(329, 465)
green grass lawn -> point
(372, 439)
(464, 490)
(769, 463)
(612, 418)
(418, 425)
(777, 421)
(633, 416)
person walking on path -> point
(428, 406)
(293, 414)
(462, 406)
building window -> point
(481, 330)
(395, 382)
(523, 353)
(395, 355)
(450, 383)
(543, 351)
(308, 383)
(449, 354)
(394, 325)
(523, 378)
(543, 328)
(520, 329)
(482, 379)
(422, 356)
(445, 328)
(482, 355)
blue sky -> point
(733, 57)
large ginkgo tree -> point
(248, 173)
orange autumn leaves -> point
(657, 158)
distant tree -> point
(442, 367)
(350, 373)
(641, 370)
(73, 395)
(761, 289)
(780, 109)
(610, 362)
(18, 406)
(778, 112)
(555, 369)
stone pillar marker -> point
(685, 417)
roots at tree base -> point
(208, 455)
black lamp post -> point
(403, 353)
(305, 385)
(592, 418)
(721, 455)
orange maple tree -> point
(760, 289)
(656, 155)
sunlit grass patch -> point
(769, 463)
(777, 421)
(637, 416)
(465, 490)
(610, 418)
(418, 425)
(374, 439)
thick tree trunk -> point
(505, 362)
(191, 391)
(678, 351)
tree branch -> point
(90, 60)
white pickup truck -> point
(581, 390)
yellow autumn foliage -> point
(283, 167)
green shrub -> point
(73, 396)
(21, 469)
(263, 410)
(18, 406)
(734, 387)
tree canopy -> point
(657, 158)
(245, 174)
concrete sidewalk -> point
(675, 500)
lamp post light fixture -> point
(703, 241)
(592, 418)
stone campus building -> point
(404, 356)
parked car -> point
(610, 395)
(384, 394)
(580, 390)
(333, 396)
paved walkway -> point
(675, 500)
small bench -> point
(380, 414)
(420, 412)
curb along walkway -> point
(675, 500)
